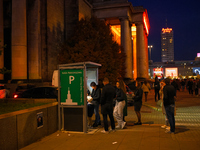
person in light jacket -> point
(146, 89)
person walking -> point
(138, 102)
(107, 96)
(174, 84)
(96, 95)
(189, 86)
(195, 87)
(169, 104)
(120, 104)
(183, 84)
(146, 89)
(157, 88)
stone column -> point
(127, 45)
(142, 52)
(1, 38)
(34, 40)
(19, 40)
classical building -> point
(33, 31)
(167, 45)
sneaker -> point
(118, 127)
(163, 127)
(123, 125)
(167, 128)
(170, 132)
(112, 130)
(103, 131)
(138, 123)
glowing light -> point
(146, 25)
(166, 30)
(158, 72)
(198, 54)
(15, 96)
(172, 72)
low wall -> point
(19, 129)
(27, 100)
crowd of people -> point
(104, 97)
(165, 91)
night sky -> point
(183, 16)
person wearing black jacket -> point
(138, 102)
(119, 105)
(107, 96)
(169, 104)
(96, 95)
(157, 88)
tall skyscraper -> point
(167, 45)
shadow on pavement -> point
(180, 129)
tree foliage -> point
(93, 41)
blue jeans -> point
(96, 111)
(170, 115)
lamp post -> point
(150, 47)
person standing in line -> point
(169, 104)
(107, 96)
(125, 107)
(119, 105)
(96, 95)
(90, 108)
(138, 102)
(146, 89)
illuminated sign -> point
(158, 72)
(166, 30)
(171, 72)
(146, 23)
(196, 70)
(198, 54)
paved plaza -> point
(149, 135)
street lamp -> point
(150, 47)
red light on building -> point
(146, 22)
(166, 30)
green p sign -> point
(72, 83)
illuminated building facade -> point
(35, 29)
(167, 45)
(130, 27)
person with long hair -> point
(138, 102)
(146, 89)
(120, 103)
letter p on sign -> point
(71, 78)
